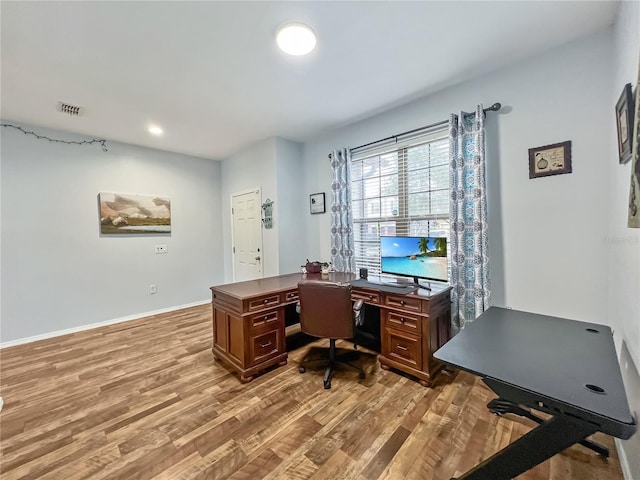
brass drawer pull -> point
(402, 347)
(266, 300)
(265, 345)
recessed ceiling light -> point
(154, 130)
(296, 38)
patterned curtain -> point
(342, 247)
(468, 215)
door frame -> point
(258, 190)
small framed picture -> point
(316, 203)
(624, 122)
(554, 159)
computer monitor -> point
(417, 257)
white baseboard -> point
(624, 463)
(67, 331)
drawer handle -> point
(266, 317)
(265, 300)
(265, 345)
(401, 319)
(402, 302)
(402, 347)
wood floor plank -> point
(386, 453)
(261, 466)
(146, 400)
(413, 454)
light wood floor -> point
(145, 399)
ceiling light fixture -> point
(296, 38)
(154, 130)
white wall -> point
(58, 271)
(545, 234)
(293, 204)
(275, 166)
(252, 167)
(623, 244)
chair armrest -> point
(357, 305)
(357, 312)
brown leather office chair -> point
(326, 311)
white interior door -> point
(247, 235)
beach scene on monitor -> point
(424, 257)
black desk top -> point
(553, 357)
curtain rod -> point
(493, 108)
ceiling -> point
(211, 75)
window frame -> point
(367, 243)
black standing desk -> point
(565, 368)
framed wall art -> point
(624, 123)
(134, 214)
(316, 203)
(634, 188)
(554, 159)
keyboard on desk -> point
(384, 287)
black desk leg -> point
(500, 406)
(543, 442)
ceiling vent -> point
(70, 109)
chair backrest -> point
(325, 309)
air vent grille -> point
(72, 110)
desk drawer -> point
(403, 348)
(403, 321)
(366, 295)
(404, 302)
(264, 346)
(290, 296)
(262, 319)
(263, 302)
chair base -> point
(334, 360)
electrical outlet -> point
(153, 289)
(161, 249)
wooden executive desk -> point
(249, 320)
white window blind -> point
(400, 190)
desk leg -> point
(541, 443)
(500, 406)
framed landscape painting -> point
(134, 214)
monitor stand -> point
(416, 280)
(401, 284)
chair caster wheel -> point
(302, 369)
(327, 385)
(361, 375)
